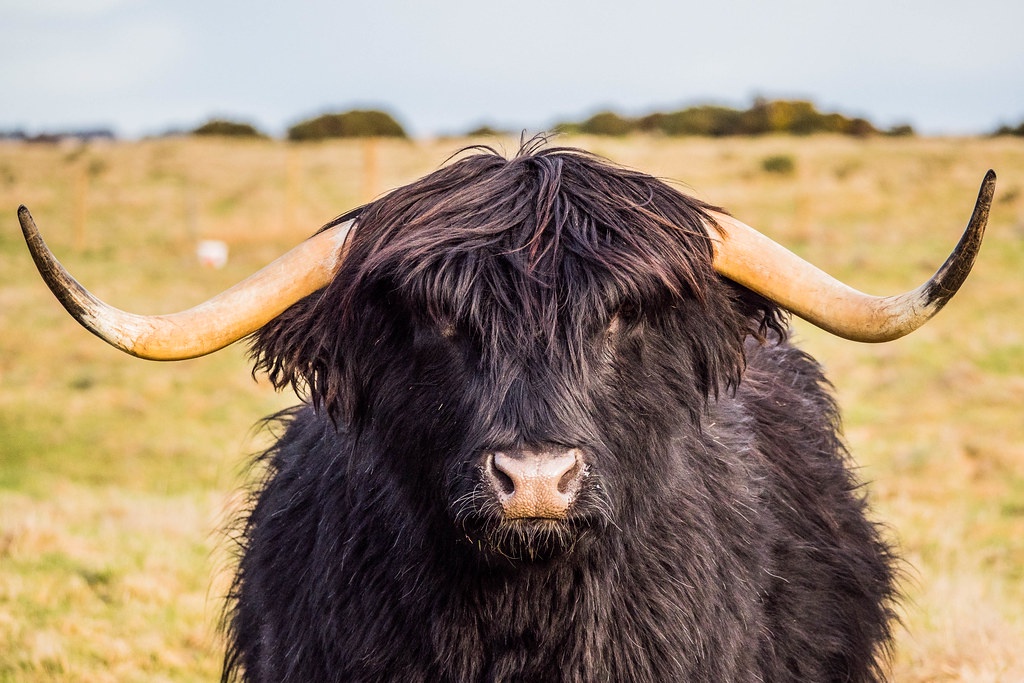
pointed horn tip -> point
(988, 185)
(28, 224)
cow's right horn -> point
(746, 256)
(210, 326)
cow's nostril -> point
(503, 483)
(569, 482)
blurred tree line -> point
(796, 117)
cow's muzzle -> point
(535, 483)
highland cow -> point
(553, 429)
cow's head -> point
(514, 333)
(517, 340)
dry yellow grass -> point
(116, 474)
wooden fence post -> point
(371, 170)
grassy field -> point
(117, 475)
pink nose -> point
(535, 483)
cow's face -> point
(520, 352)
(519, 341)
(533, 438)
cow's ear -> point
(765, 320)
(295, 349)
(301, 347)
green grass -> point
(117, 475)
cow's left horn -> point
(211, 325)
(746, 256)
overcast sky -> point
(143, 67)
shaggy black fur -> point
(551, 299)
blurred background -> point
(167, 150)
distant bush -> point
(901, 131)
(799, 118)
(706, 120)
(781, 164)
(485, 130)
(860, 128)
(1011, 130)
(608, 123)
(230, 129)
(358, 123)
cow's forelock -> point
(537, 253)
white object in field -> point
(212, 253)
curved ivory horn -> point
(211, 325)
(749, 258)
